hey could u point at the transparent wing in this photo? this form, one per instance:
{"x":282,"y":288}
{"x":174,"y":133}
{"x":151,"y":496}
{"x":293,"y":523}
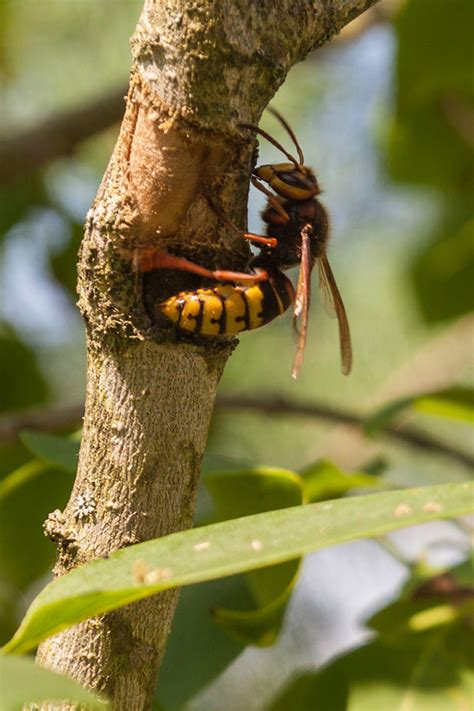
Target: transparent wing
{"x":326,"y":291}
{"x":302,"y":301}
{"x":332,"y":296}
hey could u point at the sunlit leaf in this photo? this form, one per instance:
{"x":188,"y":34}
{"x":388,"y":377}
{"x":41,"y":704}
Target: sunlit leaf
{"x":422,"y":659}
{"x":324,"y":480}
{"x":229,"y":548}
{"x":378,"y":676}
{"x":29,"y":683}
{"x":427,"y":605}
{"x":453,"y":403}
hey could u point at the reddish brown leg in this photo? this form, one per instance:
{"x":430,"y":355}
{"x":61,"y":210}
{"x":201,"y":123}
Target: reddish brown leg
{"x":272,"y":199}
{"x":268,"y":241}
{"x":151,"y":259}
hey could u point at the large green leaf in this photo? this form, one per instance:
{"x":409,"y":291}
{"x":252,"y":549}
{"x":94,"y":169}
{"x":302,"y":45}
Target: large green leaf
{"x":27,"y":683}
{"x":228,"y":548}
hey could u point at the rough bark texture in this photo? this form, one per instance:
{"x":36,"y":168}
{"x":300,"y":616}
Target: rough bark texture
{"x":200,"y":67}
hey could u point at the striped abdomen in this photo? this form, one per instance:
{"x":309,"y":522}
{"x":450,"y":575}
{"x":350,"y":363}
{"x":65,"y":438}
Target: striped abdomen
{"x":226,"y":309}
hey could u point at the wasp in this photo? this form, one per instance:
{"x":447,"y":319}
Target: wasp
{"x":297,"y":233}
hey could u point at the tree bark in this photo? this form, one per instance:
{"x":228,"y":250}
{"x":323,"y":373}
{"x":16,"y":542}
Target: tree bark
{"x":200,"y":67}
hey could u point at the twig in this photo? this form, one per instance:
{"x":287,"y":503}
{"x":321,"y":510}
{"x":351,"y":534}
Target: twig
{"x":46,"y":419}
{"x":63,"y":418}
{"x":59,"y":135}
{"x":280,"y":406}
{"x":378,"y":14}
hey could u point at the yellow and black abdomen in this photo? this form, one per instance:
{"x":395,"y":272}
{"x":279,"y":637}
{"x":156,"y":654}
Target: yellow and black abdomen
{"x":227,"y":309}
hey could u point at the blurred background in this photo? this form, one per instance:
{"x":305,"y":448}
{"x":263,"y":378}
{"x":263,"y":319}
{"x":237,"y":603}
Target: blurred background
{"x":385,"y":115}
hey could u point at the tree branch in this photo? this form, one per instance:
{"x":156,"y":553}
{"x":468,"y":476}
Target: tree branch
{"x":41,"y":419}
{"x":59,"y":135}
{"x":200,"y":68}
{"x":70,"y":416}
{"x":404,"y":435}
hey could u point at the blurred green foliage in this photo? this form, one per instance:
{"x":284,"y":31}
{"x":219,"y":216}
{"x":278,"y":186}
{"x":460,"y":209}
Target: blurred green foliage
{"x":432,"y":146}
{"x":23,"y":383}
{"x":422,"y":657}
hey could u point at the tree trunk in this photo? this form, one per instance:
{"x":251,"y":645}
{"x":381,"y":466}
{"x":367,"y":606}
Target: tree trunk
{"x":200,"y":67}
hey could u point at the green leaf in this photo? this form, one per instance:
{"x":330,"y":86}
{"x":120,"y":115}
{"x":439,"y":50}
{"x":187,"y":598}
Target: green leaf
{"x":243,"y":493}
{"x":407,"y":619}
{"x":324,"y":480}
{"x":259,"y":627}
{"x":421,"y":660}
{"x":196,"y":643}
{"x":454,"y":403}
{"x":29,"y":683}
{"x":428,"y":603}
{"x":27,"y":496}
{"x":51,"y":449}
{"x":384,"y":677}
{"x":228,"y":548}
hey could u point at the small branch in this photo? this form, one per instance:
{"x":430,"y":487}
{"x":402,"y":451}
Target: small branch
{"x":58,"y":135}
{"x":47,"y":419}
{"x":377,"y":15}
{"x":70,"y":416}
{"x":279,"y":406}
